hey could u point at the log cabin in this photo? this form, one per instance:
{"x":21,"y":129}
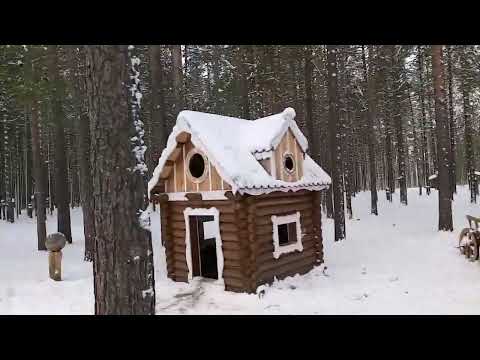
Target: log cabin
{"x":239,"y":200}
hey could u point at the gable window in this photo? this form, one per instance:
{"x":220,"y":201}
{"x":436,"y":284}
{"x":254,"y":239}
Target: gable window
{"x":287,"y":234}
{"x":196,"y":166}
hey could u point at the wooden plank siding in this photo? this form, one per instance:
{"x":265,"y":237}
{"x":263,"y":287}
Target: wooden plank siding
{"x":179,"y":181}
{"x":288,"y":144}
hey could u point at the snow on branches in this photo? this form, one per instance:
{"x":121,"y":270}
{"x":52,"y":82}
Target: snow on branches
{"x":138,"y":145}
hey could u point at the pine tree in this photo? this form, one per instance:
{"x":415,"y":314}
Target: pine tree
{"x":441,"y":116}
{"x":123,"y":264}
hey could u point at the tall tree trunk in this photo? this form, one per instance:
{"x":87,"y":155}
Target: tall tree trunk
{"x":397,"y":96}
{"x":178,"y":88}
{"x":83,"y":154}
{"x":468,"y":129}
{"x":243,"y":54}
{"x":123,"y":264}
{"x":335,"y":153}
{"x":425,"y":157}
{"x":441,"y":116}
{"x":61,"y":178}
{"x":453,"y":177}
{"x":160,"y":131}
{"x":38,"y":164}
{"x":309,"y":103}
{"x":370,"y":130}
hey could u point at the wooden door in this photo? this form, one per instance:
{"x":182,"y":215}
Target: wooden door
{"x":204,"y":253}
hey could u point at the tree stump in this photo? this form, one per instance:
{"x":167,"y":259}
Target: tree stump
{"x":55,"y":243}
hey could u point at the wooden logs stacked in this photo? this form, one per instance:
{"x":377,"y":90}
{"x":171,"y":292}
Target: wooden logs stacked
{"x":55,"y":243}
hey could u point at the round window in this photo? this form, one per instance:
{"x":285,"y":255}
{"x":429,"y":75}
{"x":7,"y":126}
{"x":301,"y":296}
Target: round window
{"x":197,"y":164}
{"x":289,"y":163}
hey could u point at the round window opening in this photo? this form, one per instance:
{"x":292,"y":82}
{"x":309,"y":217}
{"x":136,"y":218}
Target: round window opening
{"x":289,"y":163}
{"x":197,"y":165}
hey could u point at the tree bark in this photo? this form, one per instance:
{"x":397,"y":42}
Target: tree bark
{"x":83,"y":154}
{"x":309,"y":103}
{"x":397,"y":97}
{"x":453,"y":176}
{"x":178,"y":88}
{"x":123,"y":263}
{"x":335,"y":153}
{"x":445,"y":222}
{"x":37,"y":158}
{"x":61,"y":178}
{"x":160,"y":131}
{"x":370,"y":130}
{"x":425,"y":157}
{"x":468,"y":129}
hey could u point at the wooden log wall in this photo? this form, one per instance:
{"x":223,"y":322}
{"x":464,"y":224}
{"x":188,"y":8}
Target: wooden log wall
{"x":246,"y":230}
{"x":261,"y":208}
{"x":234,"y":240}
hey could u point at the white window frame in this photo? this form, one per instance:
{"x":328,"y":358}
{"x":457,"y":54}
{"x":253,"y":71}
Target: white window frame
{"x":187,"y":166}
{"x":285,"y":249}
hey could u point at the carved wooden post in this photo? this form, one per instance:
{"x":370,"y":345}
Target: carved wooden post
{"x":55,"y":243}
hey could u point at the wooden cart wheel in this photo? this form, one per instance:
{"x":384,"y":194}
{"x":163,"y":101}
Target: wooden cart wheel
{"x":474,"y":245}
{"x":463,"y":240}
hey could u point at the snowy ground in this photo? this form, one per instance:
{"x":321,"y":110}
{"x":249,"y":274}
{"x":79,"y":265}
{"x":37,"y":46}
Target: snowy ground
{"x":396,"y":263}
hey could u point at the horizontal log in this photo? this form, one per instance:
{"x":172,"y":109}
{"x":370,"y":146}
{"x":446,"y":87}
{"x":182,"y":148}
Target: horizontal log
{"x":288,"y":261}
{"x":261,"y":203}
{"x":283,"y":209}
{"x":229,"y":236}
{"x":268,"y":277}
{"x":194,"y":196}
{"x":179,"y":258}
{"x":232,"y":254}
{"x":178,"y":233}
{"x":180,"y":265}
{"x":232,"y":246}
{"x":180,"y":249}
{"x":234,"y":286}
{"x":277,"y":194}
{"x":177,"y":225}
{"x":231,"y":264}
{"x":233,"y":273}
{"x":266,"y":252}
{"x":181,"y":278}
{"x":228,"y":227}
{"x":181,"y":273}
{"x":227,"y":218}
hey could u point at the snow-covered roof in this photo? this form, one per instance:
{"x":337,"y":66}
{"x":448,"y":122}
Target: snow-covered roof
{"x":234,"y":146}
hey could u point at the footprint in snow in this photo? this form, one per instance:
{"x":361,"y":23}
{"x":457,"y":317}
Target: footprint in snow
{"x":360,"y":297}
{"x":364,"y":270}
{"x":392,"y":279}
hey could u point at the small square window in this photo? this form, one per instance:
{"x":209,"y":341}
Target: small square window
{"x":287,"y":235}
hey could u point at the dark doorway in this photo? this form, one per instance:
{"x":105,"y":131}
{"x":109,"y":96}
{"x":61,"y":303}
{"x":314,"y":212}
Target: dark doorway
{"x":204,"y":250}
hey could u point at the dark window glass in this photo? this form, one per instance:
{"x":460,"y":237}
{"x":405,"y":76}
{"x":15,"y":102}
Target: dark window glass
{"x":197,"y":165}
{"x":289,"y":165}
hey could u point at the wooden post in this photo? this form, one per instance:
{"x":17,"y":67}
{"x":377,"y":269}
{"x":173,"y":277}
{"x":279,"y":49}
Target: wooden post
{"x":55,"y":243}
{"x":55,"y":265}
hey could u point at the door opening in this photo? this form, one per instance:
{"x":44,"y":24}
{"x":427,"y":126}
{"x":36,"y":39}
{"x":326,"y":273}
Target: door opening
{"x":203,"y":247}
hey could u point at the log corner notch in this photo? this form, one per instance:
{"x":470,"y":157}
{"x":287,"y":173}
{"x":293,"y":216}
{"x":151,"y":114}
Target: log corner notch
{"x":183,"y":138}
